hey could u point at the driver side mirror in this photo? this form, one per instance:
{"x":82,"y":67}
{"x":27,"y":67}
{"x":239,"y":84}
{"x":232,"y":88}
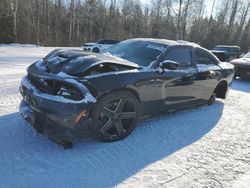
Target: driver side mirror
{"x":168,"y":64}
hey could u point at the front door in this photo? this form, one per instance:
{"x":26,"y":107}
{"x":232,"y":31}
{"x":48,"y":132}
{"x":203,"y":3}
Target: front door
{"x":179,"y":84}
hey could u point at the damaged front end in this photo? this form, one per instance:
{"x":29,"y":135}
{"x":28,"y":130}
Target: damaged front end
{"x":57,"y":97}
{"x":56,"y":105}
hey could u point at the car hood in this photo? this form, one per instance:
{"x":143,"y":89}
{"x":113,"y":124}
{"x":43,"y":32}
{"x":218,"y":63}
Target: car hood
{"x":241,"y":61}
{"x":73,"y":62}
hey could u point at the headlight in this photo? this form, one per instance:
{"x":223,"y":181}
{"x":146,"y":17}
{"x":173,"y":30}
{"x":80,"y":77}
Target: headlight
{"x":70,"y":93}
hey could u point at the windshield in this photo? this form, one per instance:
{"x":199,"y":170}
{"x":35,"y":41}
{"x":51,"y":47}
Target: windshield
{"x":136,"y":51}
{"x":247,"y":55}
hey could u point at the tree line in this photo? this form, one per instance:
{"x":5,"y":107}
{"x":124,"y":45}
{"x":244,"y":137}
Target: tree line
{"x":74,"y":22}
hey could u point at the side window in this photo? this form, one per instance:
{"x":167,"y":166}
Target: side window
{"x":237,"y":50}
{"x":203,"y":57}
{"x":106,"y":42}
{"x":112,"y":42}
{"x":100,"y":41}
{"x":181,"y":55}
{"x":109,"y":42}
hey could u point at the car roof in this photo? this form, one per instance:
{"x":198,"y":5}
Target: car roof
{"x":167,"y":42}
{"x":227,"y":46}
{"x":108,"y":40}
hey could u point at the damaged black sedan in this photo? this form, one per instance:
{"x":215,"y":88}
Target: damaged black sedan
{"x":70,"y":90}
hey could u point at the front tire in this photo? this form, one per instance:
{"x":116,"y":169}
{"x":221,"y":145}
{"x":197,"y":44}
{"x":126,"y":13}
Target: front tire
{"x":115,"y":116}
{"x":96,"y":50}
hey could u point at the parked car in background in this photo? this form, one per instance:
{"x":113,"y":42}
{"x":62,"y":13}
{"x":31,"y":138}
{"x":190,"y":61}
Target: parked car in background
{"x":242,"y":66}
{"x":226,"y":53}
{"x":99,"y":45}
{"x":109,"y":92}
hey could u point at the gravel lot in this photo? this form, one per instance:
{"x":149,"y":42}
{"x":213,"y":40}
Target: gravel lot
{"x":208,"y":146}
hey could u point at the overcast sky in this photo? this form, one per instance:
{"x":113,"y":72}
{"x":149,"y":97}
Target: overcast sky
{"x":208,"y":3}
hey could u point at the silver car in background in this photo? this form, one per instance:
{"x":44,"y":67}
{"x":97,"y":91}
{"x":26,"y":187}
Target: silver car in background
{"x":99,"y":45}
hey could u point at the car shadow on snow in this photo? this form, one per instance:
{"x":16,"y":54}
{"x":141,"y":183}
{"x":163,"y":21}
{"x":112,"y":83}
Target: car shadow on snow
{"x":241,"y":84}
{"x":32,"y":158}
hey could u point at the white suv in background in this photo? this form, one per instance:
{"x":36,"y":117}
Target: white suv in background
{"x":99,"y":46}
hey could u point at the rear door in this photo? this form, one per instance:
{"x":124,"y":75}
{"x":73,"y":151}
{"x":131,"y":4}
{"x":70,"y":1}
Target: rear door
{"x":208,"y":73}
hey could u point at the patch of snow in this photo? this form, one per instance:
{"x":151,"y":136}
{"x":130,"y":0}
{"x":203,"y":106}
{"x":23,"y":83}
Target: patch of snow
{"x":243,"y":181}
{"x":56,"y":59}
{"x":17,"y":45}
{"x":40,"y":65}
{"x":156,"y":47}
{"x":112,"y":73}
{"x":204,"y":67}
{"x":64,"y":75}
{"x":82,"y":58}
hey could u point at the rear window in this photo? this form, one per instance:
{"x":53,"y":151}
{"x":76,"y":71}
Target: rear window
{"x":224,"y":49}
{"x":236,"y":49}
{"x":227,"y":49}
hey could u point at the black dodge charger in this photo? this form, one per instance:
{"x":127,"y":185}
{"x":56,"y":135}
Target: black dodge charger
{"x":71,"y":91}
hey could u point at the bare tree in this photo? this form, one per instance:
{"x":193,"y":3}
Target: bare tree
{"x":73,"y":22}
{"x":242,"y":22}
{"x":14,"y":8}
{"x":178,"y":33}
{"x":185,"y":15}
{"x":235,"y":5}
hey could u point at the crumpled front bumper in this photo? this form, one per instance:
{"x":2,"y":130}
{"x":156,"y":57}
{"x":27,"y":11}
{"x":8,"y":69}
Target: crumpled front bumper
{"x":54,"y":116}
{"x":59,"y":129}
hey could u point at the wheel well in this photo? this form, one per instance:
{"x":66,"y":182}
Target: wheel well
{"x":221,"y":89}
{"x":133,"y":92}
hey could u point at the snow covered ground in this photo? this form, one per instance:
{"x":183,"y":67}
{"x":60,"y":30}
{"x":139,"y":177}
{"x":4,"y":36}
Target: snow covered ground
{"x":207,"y":146}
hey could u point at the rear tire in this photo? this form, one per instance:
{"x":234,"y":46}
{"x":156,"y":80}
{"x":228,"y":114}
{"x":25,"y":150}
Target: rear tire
{"x":115,"y":116}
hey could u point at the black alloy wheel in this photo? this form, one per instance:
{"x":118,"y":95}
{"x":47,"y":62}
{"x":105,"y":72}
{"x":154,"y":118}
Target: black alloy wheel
{"x":115,"y":116}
